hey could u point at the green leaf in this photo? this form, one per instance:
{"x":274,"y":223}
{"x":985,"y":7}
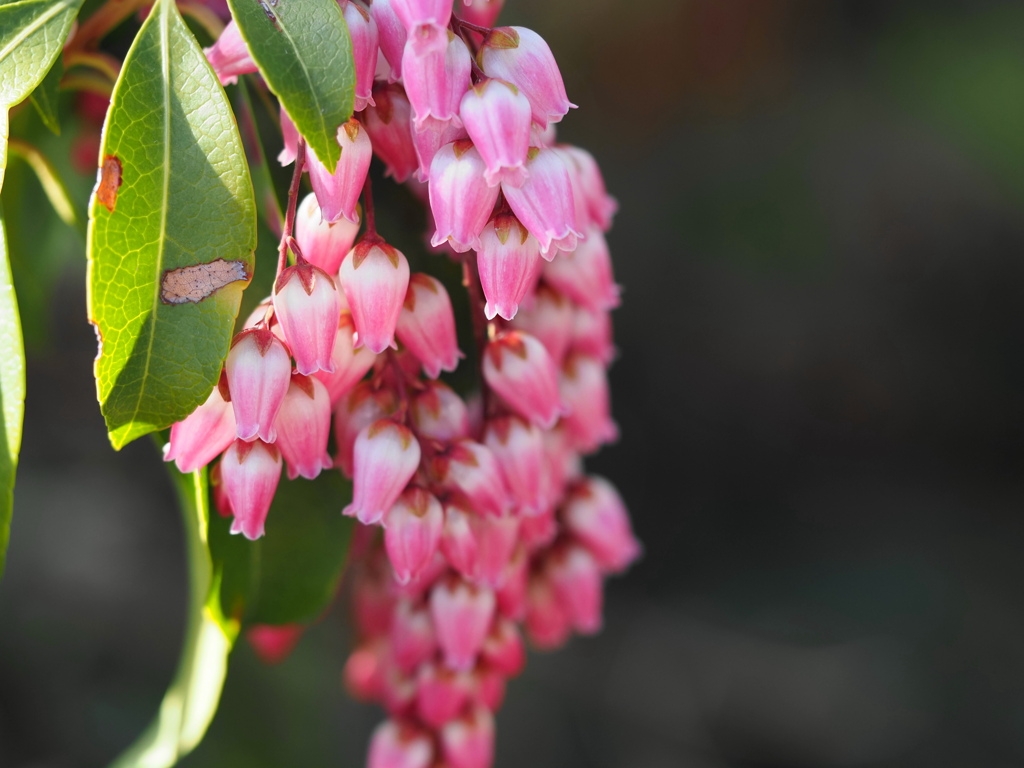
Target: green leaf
{"x":171,"y":234}
{"x":12,"y":393}
{"x":292,"y":573}
{"x":304,"y":53}
{"x":192,"y":698}
{"x":49,"y":179}
{"x":31,"y":35}
{"x":46,"y":96}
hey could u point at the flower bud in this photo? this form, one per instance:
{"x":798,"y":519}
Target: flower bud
{"x":307,"y":306}
{"x":389,"y":124}
{"x":548,"y":316}
{"x":521,"y":57}
{"x":439,"y":414}
{"x":462,"y":616}
{"x":350,"y":364}
{"x":584,"y":389}
{"x":469,"y":741}
{"x":547,"y":622}
{"x":229,"y":56}
{"x":597,"y":516}
{"x":460,"y":199}
{"x":470,"y":468}
{"x":359,"y":409}
{"x":274,"y":643}
{"x":545,"y":204}
{"x":518,"y":447}
{"x":441,"y":694}
{"x":250,"y":472}
{"x":412,"y":635}
{"x":375,"y":278}
{"x":497,"y":119}
{"x":303,"y":426}
{"x":503,"y":649}
{"x":577,"y":583}
{"x":425,"y":22}
{"x":323,"y":243}
{"x":412,"y":531}
{"x":399,"y":746}
{"x":520,"y":370}
{"x":483,"y":13}
{"x":436,"y":79}
{"x":585,"y":275}
{"x":258,"y":371}
{"x":338,"y":191}
{"x":385,"y":457}
{"x":202,"y":435}
{"x":508,"y":261}
{"x":362,"y":30}
{"x":426,"y":325}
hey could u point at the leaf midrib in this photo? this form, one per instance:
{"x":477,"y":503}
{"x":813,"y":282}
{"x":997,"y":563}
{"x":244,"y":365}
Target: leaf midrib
{"x":165,"y":61}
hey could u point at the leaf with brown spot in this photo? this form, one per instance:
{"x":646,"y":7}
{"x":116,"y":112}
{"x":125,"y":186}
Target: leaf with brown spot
{"x":109,"y":182}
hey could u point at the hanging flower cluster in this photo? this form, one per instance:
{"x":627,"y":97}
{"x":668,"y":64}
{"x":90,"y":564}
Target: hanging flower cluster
{"x":489,"y":522}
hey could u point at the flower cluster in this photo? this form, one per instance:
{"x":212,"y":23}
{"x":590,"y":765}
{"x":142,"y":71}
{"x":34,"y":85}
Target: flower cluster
{"x":488,"y":520}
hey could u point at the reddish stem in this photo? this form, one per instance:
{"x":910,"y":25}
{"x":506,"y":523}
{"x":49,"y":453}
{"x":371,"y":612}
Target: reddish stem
{"x":287,"y":240}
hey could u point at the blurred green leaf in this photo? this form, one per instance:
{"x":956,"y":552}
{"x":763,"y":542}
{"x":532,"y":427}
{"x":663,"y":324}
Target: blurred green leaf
{"x":192,"y":698}
{"x":292,"y":573}
{"x":52,"y":184}
{"x":171,"y":234}
{"x":12,"y":394}
{"x":46,"y":96}
{"x":304,"y":53}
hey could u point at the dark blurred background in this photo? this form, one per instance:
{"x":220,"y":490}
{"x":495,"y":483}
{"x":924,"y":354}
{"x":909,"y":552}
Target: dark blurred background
{"x":819,"y":392}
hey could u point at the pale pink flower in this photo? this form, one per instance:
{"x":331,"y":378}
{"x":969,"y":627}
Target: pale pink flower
{"x":462,"y":616}
{"x":460,"y":199}
{"x":399,"y":746}
{"x":250,"y":472}
{"x":508,"y":262}
{"x":545,"y":203}
{"x":362,"y":30}
{"x":338,"y":191}
{"x":426,"y":325}
{"x":202,"y":435}
{"x":303,"y":427}
{"x":412,"y":532}
{"x":323,"y":243}
{"x":385,"y":457}
{"x":258,"y":371}
{"x":497,"y":117}
{"x":389,"y":123}
{"x":518,"y":367}
{"x":375,"y":278}
{"x":229,"y":56}
{"x":307,"y":306}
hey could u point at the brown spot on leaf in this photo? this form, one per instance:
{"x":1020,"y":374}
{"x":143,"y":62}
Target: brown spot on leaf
{"x":196,"y":282}
{"x":110,"y":182}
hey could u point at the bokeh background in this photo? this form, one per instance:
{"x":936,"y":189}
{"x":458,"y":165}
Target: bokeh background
{"x":819,"y":392}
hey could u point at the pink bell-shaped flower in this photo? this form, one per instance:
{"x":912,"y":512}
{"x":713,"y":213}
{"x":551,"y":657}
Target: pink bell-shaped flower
{"x":512,"y":594}
{"x":425,"y":22}
{"x":250,"y":472}
{"x":258,"y":371}
{"x":307,"y":305}
{"x":441,"y":693}
{"x":375,"y":278}
{"x":338,"y":192}
{"x":460,"y":199}
{"x":519,"y":448}
{"x":395,"y":745}
{"x":391,"y":34}
{"x":429,"y":139}
{"x":592,"y":334}
{"x":585,"y":275}
{"x":497,"y":119}
{"x":483,"y":13}
{"x":496,"y":539}
{"x":202,"y":435}
{"x":469,"y":741}
{"x":471,"y":468}
{"x":503,"y":649}
{"x":548,"y":624}
{"x":359,"y":409}
{"x":600,"y":205}
{"x":426,"y":325}
{"x":412,"y":531}
{"x":508,"y":261}
{"x":362,"y":30}
{"x":520,"y":56}
{"x":458,"y":539}
{"x":489,"y":687}
{"x":577,"y":582}
{"x":548,"y":316}
{"x":389,"y":123}
{"x":274,"y":643}
{"x":439,"y":414}
{"x":518,"y":367}
{"x":229,"y":56}
{"x":303,"y":426}
{"x":412,"y":635}
{"x":385,"y":457}
{"x":545,"y":204}
{"x":597,"y":516}
{"x":323,"y":243}
{"x":350,"y":364}
{"x":462,"y":616}
{"x":435,"y":80}
{"x":290,"y":137}
{"x":584,"y":389}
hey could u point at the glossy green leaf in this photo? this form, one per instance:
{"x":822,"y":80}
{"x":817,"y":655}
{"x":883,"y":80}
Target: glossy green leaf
{"x":171,"y":234}
{"x":32,"y":33}
{"x":303,"y":51}
{"x":12,"y":393}
{"x":292,"y":573}
{"x":192,"y":698}
{"x":46,"y":96}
